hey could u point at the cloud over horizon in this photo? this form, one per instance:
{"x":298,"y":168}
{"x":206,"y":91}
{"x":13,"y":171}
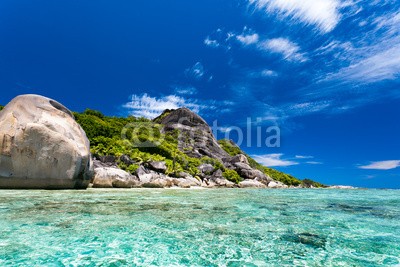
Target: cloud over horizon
{"x":381,"y":165}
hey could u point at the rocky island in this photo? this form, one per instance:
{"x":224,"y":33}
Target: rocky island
{"x":44,"y":145}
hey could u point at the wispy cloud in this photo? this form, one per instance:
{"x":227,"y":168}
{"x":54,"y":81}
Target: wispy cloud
{"x":372,"y":57}
{"x":289,"y":50}
{"x":185,"y":90}
{"x":301,"y":109}
{"x":381,"y":165}
{"x":322,"y":13}
{"x":263,"y":73}
{"x":303,"y":157}
{"x":196,"y":71}
{"x":314,"y":162}
{"x":268,"y":73}
{"x":273,"y":160}
{"x":379,"y":66}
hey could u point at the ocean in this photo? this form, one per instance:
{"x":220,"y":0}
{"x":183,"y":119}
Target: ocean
{"x":200,"y":227}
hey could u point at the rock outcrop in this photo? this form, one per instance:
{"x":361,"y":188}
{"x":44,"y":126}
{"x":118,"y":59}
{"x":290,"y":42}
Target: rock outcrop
{"x":42,"y":146}
{"x":195,"y":136}
{"x":158,"y":166}
{"x":247,"y":172}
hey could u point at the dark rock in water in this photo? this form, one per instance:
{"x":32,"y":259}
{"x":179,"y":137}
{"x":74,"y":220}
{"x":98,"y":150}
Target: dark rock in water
{"x":349,"y":208}
{"x":309,"y":239}
{"x":42,"y":146}
{"x":195,"y":136}
{"x":158,"y":166}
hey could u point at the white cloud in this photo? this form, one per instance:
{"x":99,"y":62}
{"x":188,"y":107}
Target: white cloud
{"x":273,"y":160}
{"x":210,"y":42}
{"x":303,"y":157}
{"x":314,"y":162}
{"x":263,"y":73}
{"x":305,"y":108}
{"x":150,"y":107}
{"x":248,"y":39}
{"x":268,"y":73}
{"x":289,"y":50}
{"x":188,"y":90}
{"x":196,"y":71}
{"x":322,"y":13}
{"x":382,"y":165}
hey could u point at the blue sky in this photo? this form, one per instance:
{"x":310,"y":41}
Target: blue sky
{"x":326,"y":72}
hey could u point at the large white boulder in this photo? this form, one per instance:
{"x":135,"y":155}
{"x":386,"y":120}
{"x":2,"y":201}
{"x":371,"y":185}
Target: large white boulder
{"x":42,"y":146}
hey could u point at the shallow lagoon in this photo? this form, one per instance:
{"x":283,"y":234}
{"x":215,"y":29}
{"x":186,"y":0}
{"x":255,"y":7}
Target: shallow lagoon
{"x":216,"y":227}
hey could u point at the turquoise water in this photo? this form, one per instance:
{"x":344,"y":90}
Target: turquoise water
{"x":220,"y":227}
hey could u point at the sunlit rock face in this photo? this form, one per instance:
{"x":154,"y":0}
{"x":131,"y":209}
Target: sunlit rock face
{"x":42,"y":146}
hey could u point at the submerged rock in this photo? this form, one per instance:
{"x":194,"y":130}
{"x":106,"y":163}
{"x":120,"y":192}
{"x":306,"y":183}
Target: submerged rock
{"x":308,"y":239}
{"x":42,"y":146}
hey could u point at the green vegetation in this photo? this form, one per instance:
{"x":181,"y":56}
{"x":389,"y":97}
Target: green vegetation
{"x":232,"y":176}
{"x":1,"y":107}
{"x":232,"y":149}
